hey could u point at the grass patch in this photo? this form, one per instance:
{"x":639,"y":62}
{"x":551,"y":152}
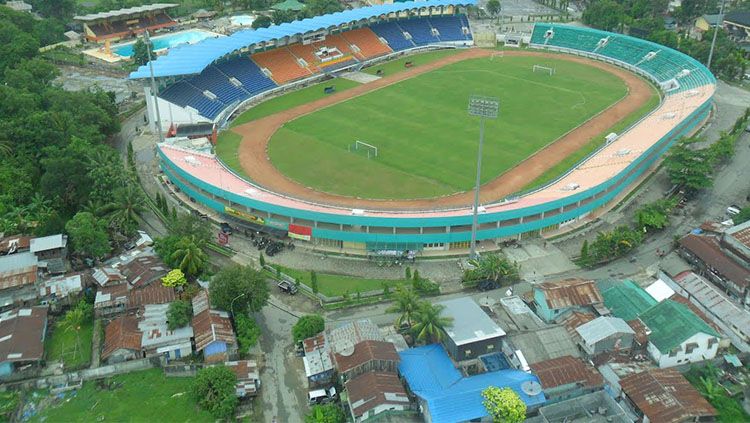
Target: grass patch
{"x":146,"y":396}
{"x":228,"y":150}
{"x":425,"y":138}
{"x":62,"y":346}
{"x":555,"y":171}
{"x":417,"y":60}
{"x":332,"y":285}
{"x":293,"y":99}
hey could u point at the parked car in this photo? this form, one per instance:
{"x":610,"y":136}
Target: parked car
{"x":226,"y":228}
{"x":322,"y":396}
{"x":287,"y":287}
{"x":733,"y":210}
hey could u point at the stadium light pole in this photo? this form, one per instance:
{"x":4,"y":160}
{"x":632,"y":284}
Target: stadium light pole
{"x":485,"y":108}
{"x":719,"y":24}
{"x":153,"y":88}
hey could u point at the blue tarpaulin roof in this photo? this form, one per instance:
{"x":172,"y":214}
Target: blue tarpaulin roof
{"x":450,"y":396}
{"x":190,"y":59}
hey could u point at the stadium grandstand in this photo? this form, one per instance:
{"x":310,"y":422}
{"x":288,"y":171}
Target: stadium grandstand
{"x":125,"y":23}
{"x":588,"y":188}
{"x":211,"y":79}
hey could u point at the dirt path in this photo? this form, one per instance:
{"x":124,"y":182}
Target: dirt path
{"x":253,"y":154}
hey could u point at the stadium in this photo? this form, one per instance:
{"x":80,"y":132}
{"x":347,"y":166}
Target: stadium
{"x":386,"y":167}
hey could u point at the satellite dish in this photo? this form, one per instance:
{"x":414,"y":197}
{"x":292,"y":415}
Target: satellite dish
{"x":531,"y":388}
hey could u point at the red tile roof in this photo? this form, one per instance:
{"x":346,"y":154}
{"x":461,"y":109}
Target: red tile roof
{"x":121,"y":333}
{"x":570,"y":292}
{"x":665,"y":396}
{"x":566,"y":370}
{"x":155,"y":293}
{"x":366,"y":351}
{"x":369,"y":390}
{"x":21,"y":334}
{"x":707,"y":249}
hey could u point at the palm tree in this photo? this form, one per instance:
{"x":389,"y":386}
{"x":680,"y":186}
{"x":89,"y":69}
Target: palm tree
{"x":189,"y":257}
{"x":430,"y":325}
{"x":124,"y":210}
{"x":72,"y":322}
{"x":405,"y":303}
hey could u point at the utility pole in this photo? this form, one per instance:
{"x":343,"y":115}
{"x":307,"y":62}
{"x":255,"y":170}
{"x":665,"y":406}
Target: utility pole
{"x":153,"y":89}
{"x":719,"y":24}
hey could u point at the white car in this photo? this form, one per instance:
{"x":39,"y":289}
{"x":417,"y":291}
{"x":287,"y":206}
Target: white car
{"x":733,"y":211}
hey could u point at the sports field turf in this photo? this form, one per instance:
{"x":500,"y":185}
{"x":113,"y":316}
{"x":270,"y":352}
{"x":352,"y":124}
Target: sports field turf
{"x":426,"y":142}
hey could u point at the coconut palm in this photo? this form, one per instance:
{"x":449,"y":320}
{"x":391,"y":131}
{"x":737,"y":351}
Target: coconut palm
{"x":189,"y":257}
{"x":429,"y":324}
{"x":123,"y":211}
{"x":72,"y":322}
{"x":405,"y":303}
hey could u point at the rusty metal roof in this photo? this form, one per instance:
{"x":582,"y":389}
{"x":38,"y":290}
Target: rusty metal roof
{"x":366,"y":351}
{"x":665,"y":396}
{"x":566,"y":370}
{"x":707,"y":249}
{"x":570,"y":292}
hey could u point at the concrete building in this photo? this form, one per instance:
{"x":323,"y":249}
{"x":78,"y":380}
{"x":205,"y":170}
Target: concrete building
{"x":718,"y":265}
{"x":566,"y":377}
{"x":596,"y":407}
{"x":605,"y":334}
{"x":18,"y":274}
{"x":553,"y":300}
{"x":541,"y":345}
{"x":61,"y":287}
{"x":472,"y":332}
{"x":738,"y":24}
{"x":678,"y":336}
{"x":52,"y":251}
{"x":157,"y":339}
{"x":664,"y":396}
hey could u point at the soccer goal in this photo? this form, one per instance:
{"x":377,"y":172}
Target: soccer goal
{"x":544,"y":69}
{"x":361,"y":146}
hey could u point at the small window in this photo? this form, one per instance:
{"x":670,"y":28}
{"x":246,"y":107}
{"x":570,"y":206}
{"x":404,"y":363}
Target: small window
{"x":712,"y":341}
{"x":490,"y":347}
{"x":690,"y":347}
{"x":467,"y":352}
{"x":674,"y":352}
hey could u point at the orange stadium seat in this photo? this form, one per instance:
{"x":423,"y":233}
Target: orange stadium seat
{"x":306,"y":53}
{"x":282,"y":64}
{"x":368,"y":43}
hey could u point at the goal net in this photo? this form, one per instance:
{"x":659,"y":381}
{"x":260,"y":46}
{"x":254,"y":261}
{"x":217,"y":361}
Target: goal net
{"x":543,"y":69}
{"x":364,"y":148}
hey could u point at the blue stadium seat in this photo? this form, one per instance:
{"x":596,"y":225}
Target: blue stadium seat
{"x":449,"y":27}
{"x":393,"y":34}
{"x":183,"y":94}
{"x":420,"y":30}
{"x":213,"y":80}
{"x":247,"y":72}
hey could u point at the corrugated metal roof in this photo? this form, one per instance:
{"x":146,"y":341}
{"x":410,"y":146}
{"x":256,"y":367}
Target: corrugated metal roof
{"x":671,"y":324}
{"x":665,"y":396}
{"x":602,"y":328}
{"x":714,"y":300}
{"x":470,"y":322}
{"x":193,"y":58}
{"x":627,"y":300}
{"x":48,"y":243}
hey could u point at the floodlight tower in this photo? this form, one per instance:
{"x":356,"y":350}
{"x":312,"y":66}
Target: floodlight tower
{"x":153,"y":88}
{"x":485,"y":108}
{"x":719,"y":25}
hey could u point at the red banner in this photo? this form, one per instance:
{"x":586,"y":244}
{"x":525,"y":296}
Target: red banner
{"x":300,"y":232}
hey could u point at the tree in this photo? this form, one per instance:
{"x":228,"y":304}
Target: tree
{"x":262,"y":21}
{"x":493,"y":7}
{"x":140,"y":52}
{"x":248,"y":332}
{"x":613,"y":244}
{"x":88,"y":235}
{"x":743,"y":216}
{"x":213,"y":389}
{"x":691,"y":168}
{"x":74,"y":320}
{"x":189,"y":257}
{"x":314,"y":281}
{"x":322,"y":7}
{"x":242,"y":284}
{"x":654,"y":215}
{"x":175,"y":278}
{"x":406,"y":303}
{"x":493,"y":267}
{"x":585,"y":252}
{"x":407,"y":272}
{"x":262,"y":260}
{"x":327,"y":413}
{"x":504,"y":405}
{"x":429,"y":324}
{"x":307,"y":326}
{"x":179,"y":314}
{"x":604,"y":14}
{"x":123,"y":211}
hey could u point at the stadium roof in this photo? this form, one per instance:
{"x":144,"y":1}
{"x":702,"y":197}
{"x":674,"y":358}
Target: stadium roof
{"x":125,"y":12}
{"x":190,"y":59}
{"x":452,"y":397}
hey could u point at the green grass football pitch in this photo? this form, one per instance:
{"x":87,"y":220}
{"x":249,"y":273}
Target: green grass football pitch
{"x":426,"y":141}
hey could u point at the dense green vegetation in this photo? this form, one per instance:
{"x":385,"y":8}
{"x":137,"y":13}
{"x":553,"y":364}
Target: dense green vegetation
{"x":706,"y":380}
{"x":424,"y":152}
{"x":332,"y":285}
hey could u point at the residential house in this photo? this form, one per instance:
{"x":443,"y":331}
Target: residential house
{"x":51,"y":251}
{"x":213,"y":332}
{"x":605,"y":334}
{"x":445,"y":395}
{"x":367,"y":356}
{"x":61,"y":287}
{"x":627,"y":300}
{"x":678,"y":336}
{"x":122,"y":340}
{"x":248,"y":377}
{"x":472,"y":332}
{"x":737,"y":23}
{"x":111,"y":300}
{"x":14,"y":244}
{"x":566,"y":377}
{"x":599,"y":405}
{"x":576,"y":319}
{"x":19,"y":6}
{"x":664,"y":396}
{"x":705,"y":23}
{"x":553,"y":300}
{"x":22,"y":333}
{"x":156,"y":293}
{"x":374,"y":392}
{"x":736,"y":242}
{"x":157,"y":339}
{"x":143,"y":268}
{"x":540,"y":345}
{"x":107,"y":275}
{"x":705,"y":253}
{"x":731,"y":318}
{"x":18,"y":274}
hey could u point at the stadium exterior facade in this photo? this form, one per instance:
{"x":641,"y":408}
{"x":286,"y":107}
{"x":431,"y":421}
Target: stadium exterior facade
{"x":687,"y":90}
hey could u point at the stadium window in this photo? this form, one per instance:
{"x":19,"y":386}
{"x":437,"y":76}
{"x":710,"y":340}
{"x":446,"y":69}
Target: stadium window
{"x":433,"y":245}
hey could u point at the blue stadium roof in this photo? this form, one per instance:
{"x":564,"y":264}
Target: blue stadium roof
{"x":190,"y":59}
{"x":450,"y":396}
